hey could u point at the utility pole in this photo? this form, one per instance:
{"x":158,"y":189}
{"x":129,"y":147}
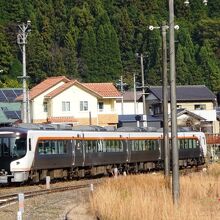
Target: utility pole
{"x":135,"y":96}
{"x":143,"y":89}
{"x":165,"y":108}
{"x":22,"y":41}
{"x":122,"y":100}
{"x":143,"y":92}
{"x":175,"y":154}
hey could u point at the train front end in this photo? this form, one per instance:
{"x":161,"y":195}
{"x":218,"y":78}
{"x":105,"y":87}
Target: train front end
{"x":13,"y":148}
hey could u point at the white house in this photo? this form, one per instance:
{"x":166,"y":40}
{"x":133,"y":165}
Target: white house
{"x":60,"y":100}
{"x":128,"y":106}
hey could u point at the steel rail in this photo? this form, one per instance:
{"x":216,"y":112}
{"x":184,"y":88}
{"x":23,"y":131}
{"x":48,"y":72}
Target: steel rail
{"x":6,"y":200}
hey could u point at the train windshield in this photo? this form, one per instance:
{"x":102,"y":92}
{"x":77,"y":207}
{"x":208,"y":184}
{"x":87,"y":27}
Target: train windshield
{"x":12,"y":147}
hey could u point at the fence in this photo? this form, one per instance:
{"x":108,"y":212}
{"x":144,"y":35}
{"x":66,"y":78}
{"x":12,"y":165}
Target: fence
{"x":213,"y":146}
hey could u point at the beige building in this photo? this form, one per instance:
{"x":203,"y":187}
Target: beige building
{"x":60,"y":100}
{"x":196,"y":106}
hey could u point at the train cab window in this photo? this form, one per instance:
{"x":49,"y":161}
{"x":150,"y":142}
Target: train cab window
{"x":6,"y":146}
{"x":13,"y":147}
{"x":20,"y":146}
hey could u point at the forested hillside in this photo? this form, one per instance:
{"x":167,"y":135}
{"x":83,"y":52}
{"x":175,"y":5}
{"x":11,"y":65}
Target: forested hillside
{"x":96,"y":40}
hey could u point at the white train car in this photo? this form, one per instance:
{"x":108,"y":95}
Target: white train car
{"x":32,"y":153}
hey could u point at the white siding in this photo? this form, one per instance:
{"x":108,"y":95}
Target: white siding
{"x":73,"y":95}
{"x":128,"y":108}
{"x":37,"y":109}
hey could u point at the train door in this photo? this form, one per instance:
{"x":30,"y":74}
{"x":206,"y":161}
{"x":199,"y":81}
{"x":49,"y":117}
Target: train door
{"x":5,"y":153}
{"x":78,"y":153}
{"x":128,"y":147}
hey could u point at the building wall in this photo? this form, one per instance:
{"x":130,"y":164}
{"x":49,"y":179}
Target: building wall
{"x":74,"y":95}
{"x":107,"y":119}
{"x":190,"y":106}
{"x":37,"y":105}
{"x":128,"y":108}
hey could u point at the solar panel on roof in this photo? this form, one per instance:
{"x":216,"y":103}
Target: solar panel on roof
{"x":18,"y":92}
{"x":11,"y":114}
{"x":18,"y":113}
{"x":2,"y":97}
{"x":9,"y":94}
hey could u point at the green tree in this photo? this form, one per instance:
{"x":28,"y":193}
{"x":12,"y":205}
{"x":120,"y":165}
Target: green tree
{"x":70,"y":50}
{"x":210,"y":68}
{"x":182,"y":72}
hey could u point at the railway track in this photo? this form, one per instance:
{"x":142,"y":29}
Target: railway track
{"x":9,"y":199}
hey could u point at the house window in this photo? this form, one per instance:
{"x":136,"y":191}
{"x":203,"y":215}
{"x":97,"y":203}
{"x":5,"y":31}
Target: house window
{"x":83,"y":105}
{"x":101,"y":106}
{"x":45,"y":107}
{"x":200,"y":107}
{"x":157,"y":109}
{"x":65,"y":106}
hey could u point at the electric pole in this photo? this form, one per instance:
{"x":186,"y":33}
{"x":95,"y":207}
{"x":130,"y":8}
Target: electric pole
{"x":143,"y":89}
{"x":165,"y":107}
{"x":135,"y":95}
{"x":22,"y":41}
{"x":175,"y":153}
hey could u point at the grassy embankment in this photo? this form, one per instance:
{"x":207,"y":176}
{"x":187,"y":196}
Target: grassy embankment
{"x":144,"y":197}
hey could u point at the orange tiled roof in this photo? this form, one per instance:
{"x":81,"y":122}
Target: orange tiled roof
{"x":44,"y":86}
{"x":61,"y":119}
{"x":103,"y":89}
{"x":61,"y":88}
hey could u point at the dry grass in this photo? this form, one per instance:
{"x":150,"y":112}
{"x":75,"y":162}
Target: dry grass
{"x":145,"y":197}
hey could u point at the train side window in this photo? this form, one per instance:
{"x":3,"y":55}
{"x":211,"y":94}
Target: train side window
{"x":41,"y":147}
{"x":141,"y":143}
{"x":99,"y":146}
{"x":62,"y":146}
{"x":134,"y":145}
{"x":144,"y":145}
{"x":54,"y":148}
{"x":104,"y":148}
{"x":180,"y":144}
{"x":197,"y":143}
{"x":90,"y":146}
{"x":120,"y":146}
{"x":47,"y":147}
{"x":86,"y":146}
{"x":186,"y":143}
{"x":190,"y":143}
{"x":156,"y":145}
{"x":108,"y":147}
{"x":150,"y":145}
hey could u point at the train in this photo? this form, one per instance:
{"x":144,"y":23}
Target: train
{"x":29,"y":153}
